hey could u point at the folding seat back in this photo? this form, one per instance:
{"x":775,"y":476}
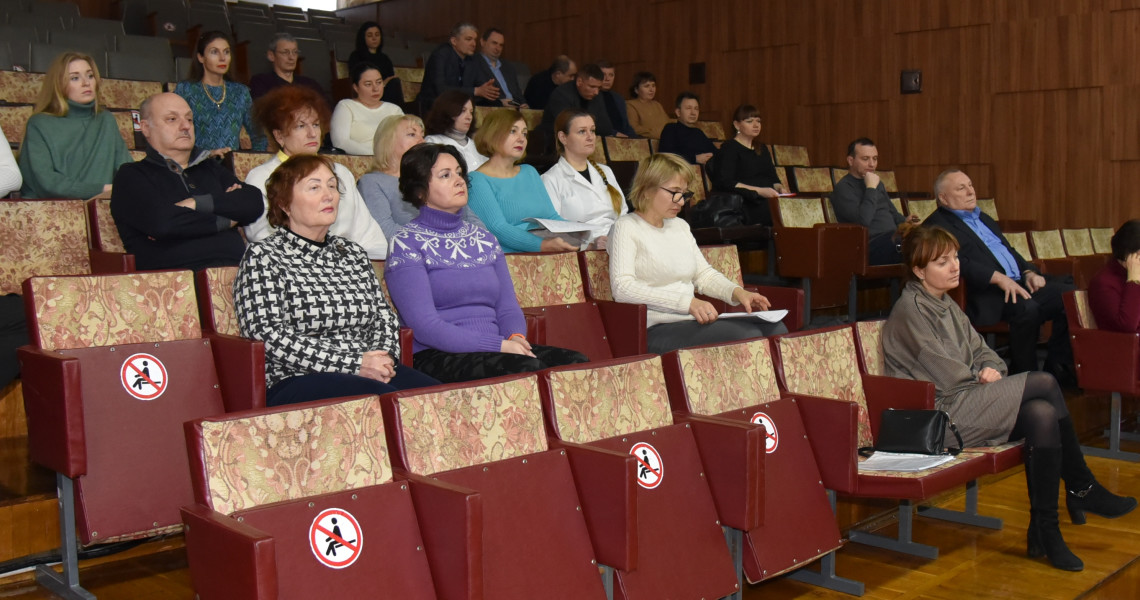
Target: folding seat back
{"x":625,"y":149}
{"x":1019,"y":241}
{"x":125,"y":65}
{"x":246,"y":161}
{"x":622,"y":406}
{"x":94,"y":44}
{"x":790,"y":156}
{"x":782,"y":174}
{"x":736,"y":381}
{"x":1047,"y":245}
{"x":107,"y":252}
{"x":824,"y":254}
{"x":890,"y":182}
{"x":549,"y":286}
{"x":488,"y":437}
{"x":317,"y":59}
{"x":989,"y":207}
{"x":726,"y":259}
{"x":14,"y":120}
{"x":411,"y":80}
{"x":216,"y":300}
{"x":812,"y":181}
{"x":921,"y":208}
{"x":294,"y":502}
{"x":1101,"y":239}
{"x":595,"y":265}
{"x":870,"y":337}
{"x":128,"y":93}
{"x":1078,"y":242}
{"x":714,"y":130}
{"x":126,"y":125}
{"x":357,"y":164}
{"x":21,"y":87}
{"x":41,"y":237}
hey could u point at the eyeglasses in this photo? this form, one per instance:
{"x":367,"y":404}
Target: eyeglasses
{"x":683,"y":196}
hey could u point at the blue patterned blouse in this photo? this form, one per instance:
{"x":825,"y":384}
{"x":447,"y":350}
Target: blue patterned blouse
{"x":220,"y":126}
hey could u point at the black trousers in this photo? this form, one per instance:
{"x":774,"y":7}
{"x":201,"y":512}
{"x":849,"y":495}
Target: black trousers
{"x":13,"y":334}
{"x":884,"y":249}
{"x":1025,"y":319}
{"x":667,"y":337}
{"x":319,"y":386}
{"x":454,"y":367}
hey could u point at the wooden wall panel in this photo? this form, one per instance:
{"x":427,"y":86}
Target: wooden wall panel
{"x":1052,"y":53}
{"x":821,"y":127}
{"x":926,"y":15}
{"x":1122,"y":121}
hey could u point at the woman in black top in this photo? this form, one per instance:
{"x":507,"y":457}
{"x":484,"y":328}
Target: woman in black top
{"x":744,"y":167}
{"x":369,"y":48}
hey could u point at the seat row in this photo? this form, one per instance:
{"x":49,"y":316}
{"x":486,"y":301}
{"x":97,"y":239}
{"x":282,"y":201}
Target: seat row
{"x":519,"y":485}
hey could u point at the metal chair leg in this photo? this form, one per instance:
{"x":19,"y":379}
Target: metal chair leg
{"x":66,"y":584}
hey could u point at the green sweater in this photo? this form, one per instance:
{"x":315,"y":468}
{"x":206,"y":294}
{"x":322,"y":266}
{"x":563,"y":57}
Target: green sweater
{"x":72,"y":156}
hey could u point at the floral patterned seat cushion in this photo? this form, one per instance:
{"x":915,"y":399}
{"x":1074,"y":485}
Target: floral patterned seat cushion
{"x":921,"y":208}
{"x":41,"y":237}
{"x":220,"y":283}
{"x":1078,"y":242}
{"x":598,"y":274}
{"x":359,"y":165}
{"x":294,"y":454}
{"x":109,"y":240}
{"x":989,"y":207}
{"x":20,"y":87}
{"x":714,"y":130}
{"x":603,"y":402}
{"x":813,"y":180}
{"x":871,"y":345}
{"x":791,"y":156}
{"x":824,"y":364}
{"x":800,"y":212}
{"x":126,"y":94}
{"x":890,"y":182}
{"x":14,"y":121}
{"x":468,"y":426}
{"x":546,"y":279}
{"x":726,"y":260}
{"x":1047,"y":244}
{"x":1019,"y":241}
{"x":126,"y":127}
{"x":626,"y":149}
{"x":246,"y":161}
{"x":729,"y":377}
{"x":1084,"y":312}
{"x":87,"y":311}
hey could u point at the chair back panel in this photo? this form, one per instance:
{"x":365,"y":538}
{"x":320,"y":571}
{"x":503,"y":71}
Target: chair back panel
{"x":128,"y":94}
{"x":378,"y":268}
{"x":103,"y":227}
{"x":802,"y":213}
{"x":1101,"y":239}
{"x":824,"y":364}
{"x":829,"y":210}
{"x":359,"y":165}
{"x":596,"y":268}
{"x":245,"y":161}
{"x":890,"y":182}
{"x":724,"y":258}
{"x":533,"y":117}
{"x":606,"y":401}
{"x":922,"y":208}
{"x":107,"y":310}
{"x":989,"y":207}
{"x":576,"y":327}
{"x":41,"y":237}
{"x":897,"y":202}
{"x":546,"y":279}
{"x":625,"y":149}
{"x":791,"y":156}
{"x":714,"y":130}
{"x":467,"y":426}
{"x":1078,"y":242}
{"x":1047,"y":244}
{"x":1019,"y":240}
{"x":286,"y":455}
{"x":870,"y":336}
{"x":728,"y":376}
{"x":837,"y":174}
{"x":1085,"y":316}
{"x":220,"y":287}
{"x":14,"y":121}
{"x":126,"y":127}
{"x":812,"y":180}
{"x":20,"y":87}
{"x":782,"y":174}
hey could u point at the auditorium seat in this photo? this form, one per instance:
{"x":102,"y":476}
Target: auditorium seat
{"x":1079,"y":246}
{"x":989,"y":206}
{"x":14,"y":121}
{"x":41,"y":237}
{"x":115,"y":365}
{"x":128,"y":93}
{"x":841,"y":409}
{"x":670,"y":545}
{"x":811,"y":181}
{"x":1050,"y":255}
{"x":19,"y":87}
{"x":488,"y":437}
{"x":550,"y":291}
{"x":411,"y":80}
{"x":107,"y":252}
{"x":726,"y":259}
{"x":1102,"y":239}
{"x":921,"y":207}
{"x":244,"y":161}
{"x":1106,"y":361}
{"x":790,"y":156}
{"x":714,"y":130}
{"x":736,"y":381}
{"x":300,"y":503}
{"x":623,"y":155}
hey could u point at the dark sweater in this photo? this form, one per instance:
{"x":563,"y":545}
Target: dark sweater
{"x":444,"y":71}
{"x":263,"y":83}
{"x":855,"y":203}
{"x":538,"y":90}
{"x":684,"y":141}
{"x":162,"y":235}
{"x":737,"y":164}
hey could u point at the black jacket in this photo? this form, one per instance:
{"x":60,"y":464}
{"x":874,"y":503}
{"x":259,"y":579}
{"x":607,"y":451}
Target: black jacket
{"x":162,"y":235}
{"x":478,"y":72}
{"x":444,"y":71}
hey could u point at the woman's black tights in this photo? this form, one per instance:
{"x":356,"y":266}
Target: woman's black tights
{"x":1042,"y":406}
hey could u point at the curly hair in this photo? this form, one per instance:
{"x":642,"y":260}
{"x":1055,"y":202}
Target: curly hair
{"x":280,"y":109}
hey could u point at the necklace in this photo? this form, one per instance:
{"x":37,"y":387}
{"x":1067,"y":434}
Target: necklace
{"x":207,"y":90}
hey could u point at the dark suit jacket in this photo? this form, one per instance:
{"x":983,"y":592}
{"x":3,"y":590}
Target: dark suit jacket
{"x":444,"y":71}
{"x":478,"y":72}
{"x":984,"y":300}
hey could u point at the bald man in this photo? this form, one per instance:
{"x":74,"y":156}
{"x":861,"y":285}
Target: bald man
{"x":177,"y":208}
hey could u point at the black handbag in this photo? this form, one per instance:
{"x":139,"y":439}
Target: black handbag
{"x":915,"y":432}
{"x":718,"y":210}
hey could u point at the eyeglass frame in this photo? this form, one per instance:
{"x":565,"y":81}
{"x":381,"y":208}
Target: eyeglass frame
{"x":685,"y":195}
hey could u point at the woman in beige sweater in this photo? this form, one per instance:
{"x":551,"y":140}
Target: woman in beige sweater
{"x":929,"y":338}
{"x":646,"y":115}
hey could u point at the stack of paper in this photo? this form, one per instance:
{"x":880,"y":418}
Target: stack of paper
{"x":894,"y":461}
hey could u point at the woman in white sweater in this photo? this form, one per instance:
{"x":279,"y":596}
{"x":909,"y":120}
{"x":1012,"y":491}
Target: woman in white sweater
{"x":581,"y":189}
{"x":654,"y":260}
{"x":451,"y":121}
{"x":295,"y":117}
{"x":354,"y":121}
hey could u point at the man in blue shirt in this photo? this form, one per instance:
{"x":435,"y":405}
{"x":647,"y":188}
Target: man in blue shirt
{"x":489,"y":65}
{"x":1000,"y":284}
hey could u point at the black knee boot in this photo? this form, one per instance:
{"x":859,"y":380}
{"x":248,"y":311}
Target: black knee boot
{"x":1083,"y":492}
{"x":1043,"y":475}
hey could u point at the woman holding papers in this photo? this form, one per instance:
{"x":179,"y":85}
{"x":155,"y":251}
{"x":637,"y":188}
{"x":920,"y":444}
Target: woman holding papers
{"x":505,"y":193}
{"x":581,"y":189}
{"x":654,"y":260}
{"x":929,"y":338}
{"x":449,"y":280}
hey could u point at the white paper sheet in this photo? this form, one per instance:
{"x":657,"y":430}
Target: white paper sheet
{"x":771,"y":316}
{"x":893,"y":461}
{"x":560,"y":226}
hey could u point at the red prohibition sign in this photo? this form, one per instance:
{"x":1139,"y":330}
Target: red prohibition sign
{"x":143,"y":376}
{"x":771,"y":436}
{"x":335,"y":538}
{"x":650,"y":467}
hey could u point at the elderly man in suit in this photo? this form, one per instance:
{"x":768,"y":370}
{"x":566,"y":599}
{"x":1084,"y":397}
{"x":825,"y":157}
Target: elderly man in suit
{"x":1000,"y":284}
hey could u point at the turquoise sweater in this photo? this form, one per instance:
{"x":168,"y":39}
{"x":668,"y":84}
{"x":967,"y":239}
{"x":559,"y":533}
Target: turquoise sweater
{"x":72,"y":156}
{"x":220,"y":126}
{"x":502,"y":204}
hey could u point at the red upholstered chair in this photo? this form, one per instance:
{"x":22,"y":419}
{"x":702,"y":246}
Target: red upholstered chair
{"x":790,"y":156}
{"x":107,"y":252}
{"x":603,"y":414}
{"x":1107,"y":361}
{"x":1087,"y":261}
{"x":550,"y":291}
{"x":265,"y":480}
{"x":737,"y":382}
{"x":488,"y":438}
{"x":215,"y":291}
{"x":841,"y":409}
{"x":41,"y":237}
{"x":1051,"y":255}
{"x":116,"y":364}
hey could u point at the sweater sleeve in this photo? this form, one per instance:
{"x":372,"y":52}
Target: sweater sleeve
{"x":340,"y":128}
{"x":379,"y":204}
{"x":1114,"y":303}
{"x":243,"y":204}
{"x":854,"y":202}
{"x":485,"y":202}
{"x":40,"y":166}
{"x":362,"y":228}
{"x":908,"y":340}
{"x":137,"y":204}
{"x":625,"y":286}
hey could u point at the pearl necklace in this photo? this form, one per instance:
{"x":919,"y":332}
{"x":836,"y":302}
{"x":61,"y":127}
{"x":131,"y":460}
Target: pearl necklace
{"x":207,"y":90}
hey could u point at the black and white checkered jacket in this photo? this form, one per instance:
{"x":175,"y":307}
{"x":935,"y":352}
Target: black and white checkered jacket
{"x":317,"y":308}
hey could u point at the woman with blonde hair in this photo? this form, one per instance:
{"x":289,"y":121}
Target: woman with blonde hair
{"x":381,"y":187}
{"x":504,"y":192}
{"x":654,"y":260}
{"x":72,"y":146}
{"x":581,"y":189}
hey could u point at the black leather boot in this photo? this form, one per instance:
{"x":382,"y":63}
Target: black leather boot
{"x":1083,"y":492}
{"x":1043,"y":476}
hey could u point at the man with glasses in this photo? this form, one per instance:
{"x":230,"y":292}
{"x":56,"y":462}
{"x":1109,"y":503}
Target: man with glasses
{"x":283,"y":55}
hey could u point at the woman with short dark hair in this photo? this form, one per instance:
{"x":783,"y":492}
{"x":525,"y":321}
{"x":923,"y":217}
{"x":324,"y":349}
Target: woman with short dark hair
{"x":1114,"y":294}
{"x":449,"y":280}
{"x":929,"y":338}
{"x":313,"y":298}
{"x":354,"y":120}
{"x":451,"y":121}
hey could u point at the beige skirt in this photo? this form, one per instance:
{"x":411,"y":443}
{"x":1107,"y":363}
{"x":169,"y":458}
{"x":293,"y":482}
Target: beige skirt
{"x":985,"y":413}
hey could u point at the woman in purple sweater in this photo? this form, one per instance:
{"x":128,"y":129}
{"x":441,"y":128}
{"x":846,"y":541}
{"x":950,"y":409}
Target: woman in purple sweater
{"x":449,"y":280}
